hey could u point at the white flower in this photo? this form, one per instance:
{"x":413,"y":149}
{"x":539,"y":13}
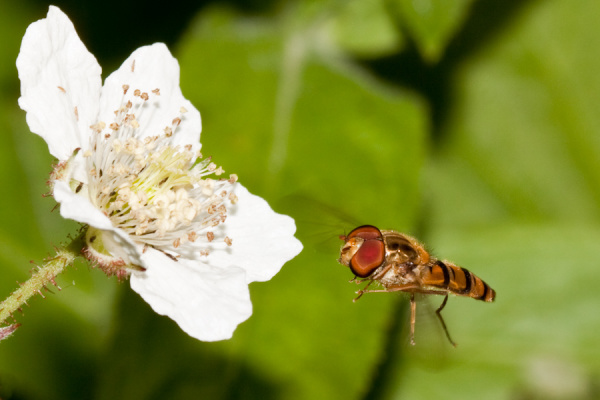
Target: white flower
{"x":129,"y":168}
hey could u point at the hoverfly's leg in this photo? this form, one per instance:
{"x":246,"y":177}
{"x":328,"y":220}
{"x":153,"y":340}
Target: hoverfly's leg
{"x":386,"y":290}
{"x":438,"y":312}
{"x":358,"y":280}
{"x":406,"y":288}
{"x":363,"y":291}
{"x":413,"y":318}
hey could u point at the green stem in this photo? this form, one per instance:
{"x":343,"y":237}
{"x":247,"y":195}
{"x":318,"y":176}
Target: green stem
{"x":41,"y":278}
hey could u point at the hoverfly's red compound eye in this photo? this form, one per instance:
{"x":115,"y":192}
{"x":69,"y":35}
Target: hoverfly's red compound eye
{"x":366,"y":232}
{"x":371,"y":254}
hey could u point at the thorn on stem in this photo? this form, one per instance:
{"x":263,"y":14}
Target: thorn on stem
{"x":55,"y":284}
{"x":47,"y":290}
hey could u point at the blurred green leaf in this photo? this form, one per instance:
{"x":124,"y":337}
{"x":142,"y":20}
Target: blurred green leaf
{"x":307,"y":122}
{"x":431,"y":23}
{"x":365,"y":28}
{"x":524,"y":125}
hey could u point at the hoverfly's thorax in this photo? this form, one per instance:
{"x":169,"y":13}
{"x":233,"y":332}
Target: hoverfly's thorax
{"x":403,"y":249}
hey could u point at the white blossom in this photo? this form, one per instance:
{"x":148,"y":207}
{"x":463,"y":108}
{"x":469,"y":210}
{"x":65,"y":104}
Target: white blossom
{"x":130,"y":169}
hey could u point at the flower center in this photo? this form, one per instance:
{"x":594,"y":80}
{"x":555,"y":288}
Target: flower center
{"x":157,"y":192}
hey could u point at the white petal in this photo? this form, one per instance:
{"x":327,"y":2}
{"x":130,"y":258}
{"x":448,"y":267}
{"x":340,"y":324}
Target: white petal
{"x":80,"y":209}
{"x":58,"y":75}
{"x":148,"y":68}
{"x":262,"y":239}
{"x":208,"y":303}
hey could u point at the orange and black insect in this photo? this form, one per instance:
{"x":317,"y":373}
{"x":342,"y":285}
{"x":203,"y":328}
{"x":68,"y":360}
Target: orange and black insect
{"x":400,"y":263}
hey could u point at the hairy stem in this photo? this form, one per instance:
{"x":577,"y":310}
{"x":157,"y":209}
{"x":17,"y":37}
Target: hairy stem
{"x":41,"y":278}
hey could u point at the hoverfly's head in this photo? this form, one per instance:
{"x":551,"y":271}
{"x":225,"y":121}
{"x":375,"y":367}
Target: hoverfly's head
{"x":363,"y":251}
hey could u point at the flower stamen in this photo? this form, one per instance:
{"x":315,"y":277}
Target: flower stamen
{"x":158,"y":193}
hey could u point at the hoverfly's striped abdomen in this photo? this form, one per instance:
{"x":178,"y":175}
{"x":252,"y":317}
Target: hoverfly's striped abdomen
{"x":457,"y":280}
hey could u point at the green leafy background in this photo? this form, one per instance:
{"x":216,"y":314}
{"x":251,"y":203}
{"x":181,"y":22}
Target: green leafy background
{"x":471,"y":124}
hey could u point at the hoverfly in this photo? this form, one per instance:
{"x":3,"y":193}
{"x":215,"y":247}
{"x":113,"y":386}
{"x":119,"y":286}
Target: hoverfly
{"x":400,"y":263}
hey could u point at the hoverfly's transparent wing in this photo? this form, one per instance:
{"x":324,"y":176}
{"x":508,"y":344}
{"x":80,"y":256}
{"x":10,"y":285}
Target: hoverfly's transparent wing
{"x":319,"y":225}
{"x":431,"y":346}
